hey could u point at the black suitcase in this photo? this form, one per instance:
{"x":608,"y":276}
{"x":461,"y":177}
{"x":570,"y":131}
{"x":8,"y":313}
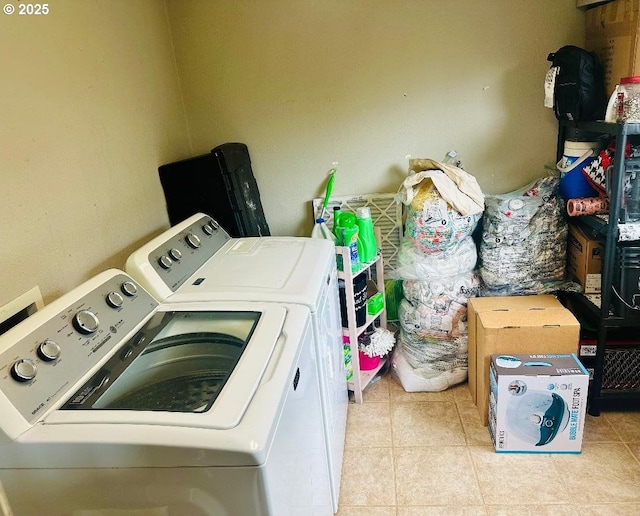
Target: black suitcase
{"x":220,"y":184}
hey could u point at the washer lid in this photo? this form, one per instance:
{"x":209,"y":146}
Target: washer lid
{"x":202,"y":362}
{"x":273,"y":269}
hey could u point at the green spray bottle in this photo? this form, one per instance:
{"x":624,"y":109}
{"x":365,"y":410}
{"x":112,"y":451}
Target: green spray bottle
{"x":346,"y":226}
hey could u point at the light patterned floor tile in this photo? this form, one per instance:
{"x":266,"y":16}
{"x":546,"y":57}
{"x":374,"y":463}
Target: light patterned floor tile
{"x":461,"y":393}
{"x":367,"y":477}
{"x":475,"y":433}
{"x":386,"y":474}
{"x":377,"y":391}
{"x":626,"y":424}
{"x":428,"y":423}
{"x":368,"y":424}
{"x":599,"y":429}
{"x":603,"y":472}
{"x":635,"y":449}
{"x":435,"y":475}
{"x":517,"y":479}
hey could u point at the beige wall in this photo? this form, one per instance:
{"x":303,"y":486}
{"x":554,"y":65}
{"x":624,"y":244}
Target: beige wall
{"x":91,"y":104}
{"x":89,"y":107}
{"x":367,"y":83}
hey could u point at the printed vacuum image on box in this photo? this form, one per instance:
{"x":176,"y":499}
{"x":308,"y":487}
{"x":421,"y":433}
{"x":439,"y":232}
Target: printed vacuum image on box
{"x":537,"y":403}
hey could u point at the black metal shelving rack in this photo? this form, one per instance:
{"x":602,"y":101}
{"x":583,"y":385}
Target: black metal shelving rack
{"x":605,"y":317}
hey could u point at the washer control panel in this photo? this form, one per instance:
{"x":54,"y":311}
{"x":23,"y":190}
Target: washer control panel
{"x":43,"y":363}
{"x":182,"y":254}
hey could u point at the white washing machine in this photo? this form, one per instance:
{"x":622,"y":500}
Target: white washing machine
{"x":197,"y":261}
{"x":113,"y":404}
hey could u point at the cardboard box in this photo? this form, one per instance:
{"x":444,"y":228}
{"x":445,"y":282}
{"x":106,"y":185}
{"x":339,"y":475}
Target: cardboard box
{"x":478,"y":305}
{"x":584,"y":259}
{"x":515,"y":324}
{"x":538,"y":403}
{"x":612,"y":32}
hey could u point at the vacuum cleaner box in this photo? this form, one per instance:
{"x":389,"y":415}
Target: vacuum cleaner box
{"x":537,"y":403}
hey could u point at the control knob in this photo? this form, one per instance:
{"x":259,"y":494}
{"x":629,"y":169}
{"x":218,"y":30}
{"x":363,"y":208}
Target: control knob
{"x":165,"y":262}
{"x":129,"y":288}
{"x":193,"y":241}
{"x":114,"y":300}
{"x":175,"y":254}
{"x":24,"y":370}
{"x":210,"y":227}
{"x":86,"y":322}
{"x":49,"y":350}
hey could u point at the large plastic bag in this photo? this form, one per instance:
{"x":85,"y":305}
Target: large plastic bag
{"x":523,"y":246}
{"x":434,"y":354}
{"x":442,"y":289}
{"x":447,"y":365}
{"x":457,"y":187}
{"x":436,"y":264}
{"x":440,"y":321}
{"x":412,"y":264}
{"x":432,"y":224}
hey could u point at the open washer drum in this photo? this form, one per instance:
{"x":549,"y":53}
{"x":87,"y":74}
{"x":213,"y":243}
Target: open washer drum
{"x":197,"y":261}
{"x":111,"y":402}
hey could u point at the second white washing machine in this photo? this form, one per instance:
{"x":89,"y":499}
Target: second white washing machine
{"x":197,"y":261}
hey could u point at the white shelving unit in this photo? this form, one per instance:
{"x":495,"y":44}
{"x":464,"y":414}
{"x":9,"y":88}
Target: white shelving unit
{"x":375,"y":272}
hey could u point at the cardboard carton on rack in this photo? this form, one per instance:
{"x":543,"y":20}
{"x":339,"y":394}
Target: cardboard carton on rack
{"x":584,"y":259}
{"x":613,"y":33}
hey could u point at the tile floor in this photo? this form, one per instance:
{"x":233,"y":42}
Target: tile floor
{"x":422,"y":454}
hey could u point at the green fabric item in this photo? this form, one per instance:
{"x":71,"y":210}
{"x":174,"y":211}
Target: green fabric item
{"x":393,"y":296}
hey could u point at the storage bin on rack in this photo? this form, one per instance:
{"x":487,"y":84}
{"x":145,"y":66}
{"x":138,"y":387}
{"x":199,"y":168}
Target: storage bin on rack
{"x":621,"y":369}
{"x":359,"y":299}
{"x":627,"y":282}
{"x":630,"y":201}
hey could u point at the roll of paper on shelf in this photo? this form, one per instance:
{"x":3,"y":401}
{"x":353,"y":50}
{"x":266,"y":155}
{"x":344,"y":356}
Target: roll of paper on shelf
{"x":587,"y":206}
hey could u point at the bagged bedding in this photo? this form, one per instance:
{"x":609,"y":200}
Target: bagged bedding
{"x":524,"y":235}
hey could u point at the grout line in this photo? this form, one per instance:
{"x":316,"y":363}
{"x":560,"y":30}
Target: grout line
{"x":627,"y":445}
{"x":476,"y":474}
